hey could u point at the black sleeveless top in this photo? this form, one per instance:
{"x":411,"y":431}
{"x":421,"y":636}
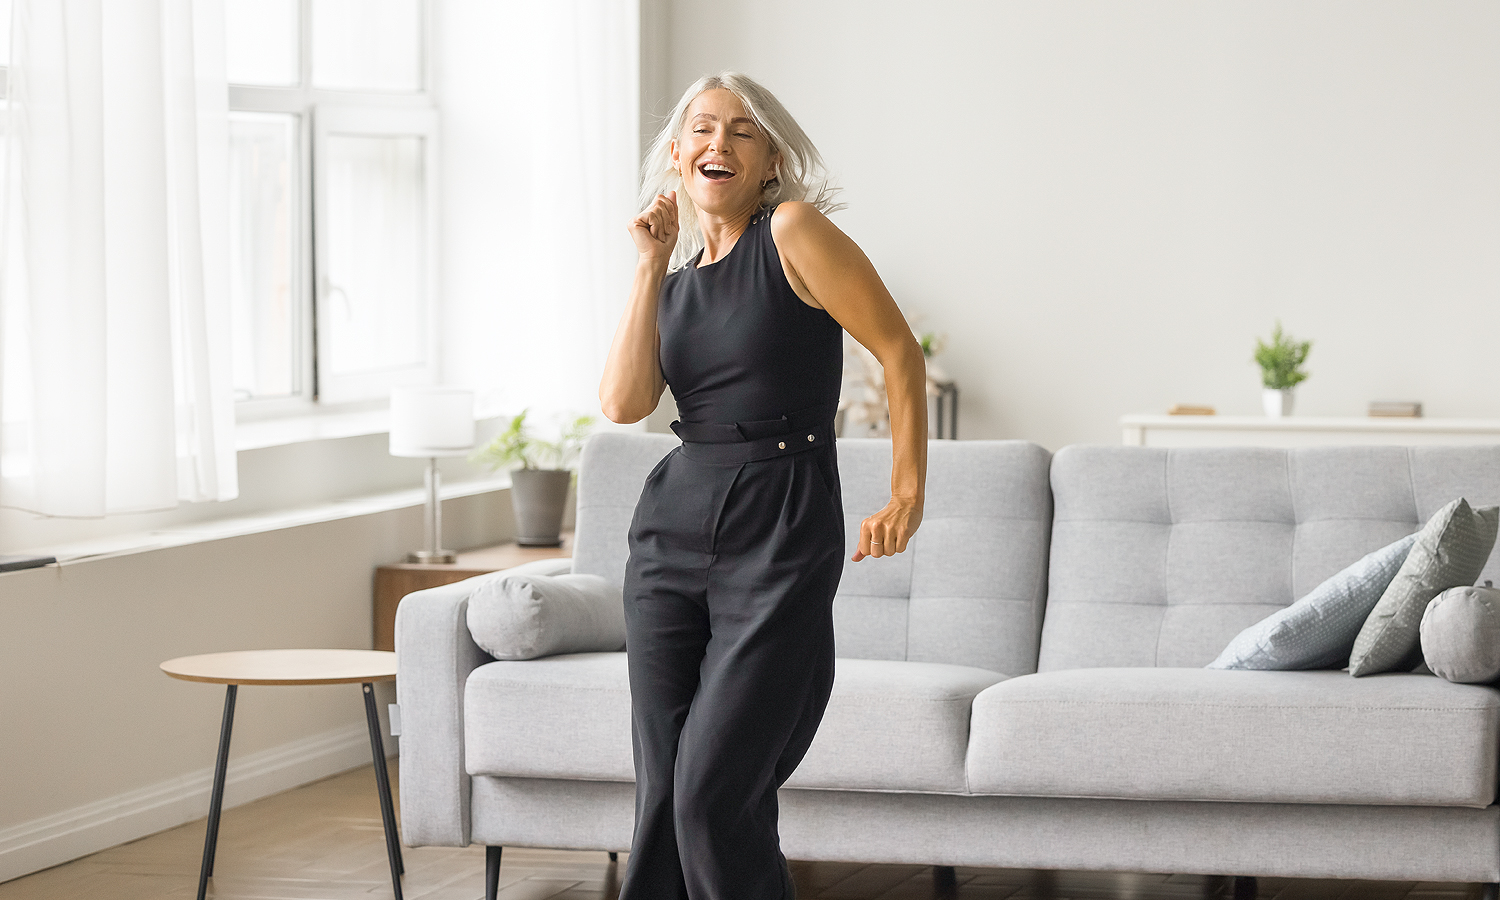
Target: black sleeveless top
{"x":738,"y":344}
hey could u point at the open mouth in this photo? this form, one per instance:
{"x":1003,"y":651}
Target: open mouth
{"x":716,"y":172}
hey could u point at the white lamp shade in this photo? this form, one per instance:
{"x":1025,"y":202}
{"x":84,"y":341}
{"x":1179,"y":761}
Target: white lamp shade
{"x":431,"y":421}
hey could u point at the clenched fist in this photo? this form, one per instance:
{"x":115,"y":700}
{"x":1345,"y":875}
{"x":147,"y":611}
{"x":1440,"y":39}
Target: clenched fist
{"x":655,"y":230}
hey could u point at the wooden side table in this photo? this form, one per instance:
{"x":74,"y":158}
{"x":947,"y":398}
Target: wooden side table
{"x":278,"y":667}
{"x":395,"y":581}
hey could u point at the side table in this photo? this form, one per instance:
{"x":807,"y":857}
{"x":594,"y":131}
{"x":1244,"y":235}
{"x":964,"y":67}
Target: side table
{"x":396,"y":580}
{"x":296,"y":667}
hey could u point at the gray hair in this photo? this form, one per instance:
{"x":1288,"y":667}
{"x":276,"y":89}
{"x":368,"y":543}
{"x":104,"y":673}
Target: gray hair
{"x":800,"y":175}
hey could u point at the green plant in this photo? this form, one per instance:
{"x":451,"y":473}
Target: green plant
{"x":517,"y":445}
{"x":1281,"y":360}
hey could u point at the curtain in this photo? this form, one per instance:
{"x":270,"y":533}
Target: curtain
{"x":115,"y":354}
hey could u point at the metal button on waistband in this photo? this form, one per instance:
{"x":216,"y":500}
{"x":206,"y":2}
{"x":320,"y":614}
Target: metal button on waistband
{"x":781,"y":444}
{"x":809,"y":437}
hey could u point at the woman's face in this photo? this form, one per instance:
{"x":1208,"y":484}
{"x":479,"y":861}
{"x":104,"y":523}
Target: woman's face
{"x":722,"y":155}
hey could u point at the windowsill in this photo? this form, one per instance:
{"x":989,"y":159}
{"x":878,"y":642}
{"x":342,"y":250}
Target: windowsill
{"x":257,"y":434}
{"x":219,"y":529}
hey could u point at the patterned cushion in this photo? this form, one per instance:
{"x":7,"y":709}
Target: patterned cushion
{"x":1450,"y":551}
{"x":1318,"y":631}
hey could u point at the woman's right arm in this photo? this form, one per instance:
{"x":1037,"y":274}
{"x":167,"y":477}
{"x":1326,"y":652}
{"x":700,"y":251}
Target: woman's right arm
{"x":633,"y":382}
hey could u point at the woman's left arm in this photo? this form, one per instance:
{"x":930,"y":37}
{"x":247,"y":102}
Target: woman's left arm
{"x":823,"y":264}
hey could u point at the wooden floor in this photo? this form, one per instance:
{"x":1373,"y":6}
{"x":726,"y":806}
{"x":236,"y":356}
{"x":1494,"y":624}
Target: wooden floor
{"x":324,"y":841}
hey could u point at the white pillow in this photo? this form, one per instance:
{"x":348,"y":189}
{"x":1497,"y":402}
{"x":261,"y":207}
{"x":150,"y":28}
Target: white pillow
{"x":520,"y":616}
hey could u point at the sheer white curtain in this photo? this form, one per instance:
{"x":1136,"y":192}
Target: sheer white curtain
{"x":115,"y":388}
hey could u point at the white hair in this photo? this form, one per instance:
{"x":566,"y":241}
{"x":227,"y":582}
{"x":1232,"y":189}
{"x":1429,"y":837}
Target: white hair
{"x":800,"y":174}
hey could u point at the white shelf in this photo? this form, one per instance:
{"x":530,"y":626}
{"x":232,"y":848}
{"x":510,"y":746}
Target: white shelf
{"x":1302,"y":431}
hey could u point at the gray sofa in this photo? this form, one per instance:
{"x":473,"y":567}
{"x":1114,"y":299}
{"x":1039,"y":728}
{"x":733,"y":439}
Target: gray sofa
{"x":1024,"y":686}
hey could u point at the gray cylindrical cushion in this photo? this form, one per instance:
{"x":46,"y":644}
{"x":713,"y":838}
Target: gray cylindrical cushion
{"x":523,"y":616}
{"x":1461,"y":634}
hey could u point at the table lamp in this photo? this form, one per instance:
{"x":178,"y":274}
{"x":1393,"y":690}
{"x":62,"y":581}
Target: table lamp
{"x":431,"y":422}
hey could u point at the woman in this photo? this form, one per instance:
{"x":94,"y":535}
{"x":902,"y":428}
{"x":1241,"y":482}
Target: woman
{"x":737,"y":541}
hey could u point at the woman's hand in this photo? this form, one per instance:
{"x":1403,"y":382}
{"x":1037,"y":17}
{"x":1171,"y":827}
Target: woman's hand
{"x":655,"y":230}
{"x":886,"y":532}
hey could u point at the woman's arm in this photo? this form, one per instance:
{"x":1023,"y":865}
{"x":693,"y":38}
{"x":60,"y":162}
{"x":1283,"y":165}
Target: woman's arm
{"x":825,"y":266}
{"x":633,"y":382}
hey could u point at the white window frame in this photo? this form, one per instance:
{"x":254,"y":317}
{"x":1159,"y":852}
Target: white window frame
{"x":361,"y":112}
{"x":366,"y":121}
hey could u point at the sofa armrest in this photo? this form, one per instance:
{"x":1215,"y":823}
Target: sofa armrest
{"x":434,"y":656}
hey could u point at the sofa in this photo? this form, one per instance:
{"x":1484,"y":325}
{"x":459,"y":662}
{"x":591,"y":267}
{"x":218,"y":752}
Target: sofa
{"x":1025,"y":685}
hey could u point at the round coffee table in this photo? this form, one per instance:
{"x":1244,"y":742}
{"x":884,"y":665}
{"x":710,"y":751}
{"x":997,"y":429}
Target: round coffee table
{"x":280,"y":667}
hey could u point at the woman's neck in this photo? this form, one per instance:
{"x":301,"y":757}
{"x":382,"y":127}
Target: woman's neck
{"x":720,"y":233}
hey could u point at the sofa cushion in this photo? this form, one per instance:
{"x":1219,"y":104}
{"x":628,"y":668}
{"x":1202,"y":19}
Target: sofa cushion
{"x":517,"y":615}
{"x":1161,"y":556}
{"x":898,"y":726}
{"x":1461,"y":635}
{"x":1318,"y":631}
{"x":889,"y":725}
{"x":1206,"y":734}
{"x":1450,"y":551}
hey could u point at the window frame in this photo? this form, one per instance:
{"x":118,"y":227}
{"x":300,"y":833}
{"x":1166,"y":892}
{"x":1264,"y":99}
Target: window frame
{"x":373,"y":110}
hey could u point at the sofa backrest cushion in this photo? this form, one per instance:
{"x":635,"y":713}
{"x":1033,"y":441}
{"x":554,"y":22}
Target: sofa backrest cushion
{"x":1160,"y":557}
{"x":969,"y":588}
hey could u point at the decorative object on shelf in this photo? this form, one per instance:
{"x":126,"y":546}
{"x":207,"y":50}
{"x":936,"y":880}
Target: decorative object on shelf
{"x":1280,"y":370}
{"x":537,"y":495}
{"x":1396,"y":409}
{"x":431,"y":422}
{"x":1188,"y":409}
{"x":864,"y":407}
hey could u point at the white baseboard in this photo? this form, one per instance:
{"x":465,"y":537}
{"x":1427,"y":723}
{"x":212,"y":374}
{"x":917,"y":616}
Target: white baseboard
{"x":58,"y":838}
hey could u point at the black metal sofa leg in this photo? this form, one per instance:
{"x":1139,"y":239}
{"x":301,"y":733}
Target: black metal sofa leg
{"x":944,"y":880}
{"x":1490,"y":892}
{"x":614,"y":856}
{"x":1244,"y":887}
{"x":491,"y":872}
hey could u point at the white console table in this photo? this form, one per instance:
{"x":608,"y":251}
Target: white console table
{"x":1301,"y":431}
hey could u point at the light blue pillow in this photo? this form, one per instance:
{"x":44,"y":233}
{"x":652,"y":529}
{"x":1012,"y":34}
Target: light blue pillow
{"x":1318,"y":631}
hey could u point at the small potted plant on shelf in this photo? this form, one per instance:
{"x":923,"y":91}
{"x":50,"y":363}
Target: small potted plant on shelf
{"x":537,"y":494}
{"x":1280,"y":370}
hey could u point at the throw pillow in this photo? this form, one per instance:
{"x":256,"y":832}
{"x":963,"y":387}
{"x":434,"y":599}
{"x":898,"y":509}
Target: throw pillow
{"x":525,"y":616}
{"x":1461,"y":635}
{"x":1318,"y":631}
{"x":1450,"y":551}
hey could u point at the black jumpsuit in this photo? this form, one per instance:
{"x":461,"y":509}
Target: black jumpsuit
{"x":736,"y":549}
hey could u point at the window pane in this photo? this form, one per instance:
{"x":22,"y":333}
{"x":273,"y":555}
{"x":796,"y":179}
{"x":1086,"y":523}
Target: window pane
{"x":373,"y":45}
{"x":261,"y":46}
{"x":263,"y":253}
{"x":374,"y":289}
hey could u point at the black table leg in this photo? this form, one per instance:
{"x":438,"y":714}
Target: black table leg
{"x":383,"y":783}
{"x":216,"y":802}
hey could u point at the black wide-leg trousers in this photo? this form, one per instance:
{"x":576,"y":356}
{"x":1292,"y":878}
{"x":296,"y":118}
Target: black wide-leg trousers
{"x":736,"y":550}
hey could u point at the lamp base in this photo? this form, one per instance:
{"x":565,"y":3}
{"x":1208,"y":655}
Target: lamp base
{"x":430,"y":557}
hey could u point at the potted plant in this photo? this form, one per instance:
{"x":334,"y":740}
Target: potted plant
{"x":537,"y":494}
{"x":1280,"y":370}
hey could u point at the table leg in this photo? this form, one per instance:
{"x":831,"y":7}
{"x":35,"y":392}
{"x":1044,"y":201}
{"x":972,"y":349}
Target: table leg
{"x":216,"y":802}
{"x":383,"y":784}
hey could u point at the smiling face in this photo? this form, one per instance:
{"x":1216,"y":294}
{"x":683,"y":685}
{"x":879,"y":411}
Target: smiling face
{"x":723,"y":155}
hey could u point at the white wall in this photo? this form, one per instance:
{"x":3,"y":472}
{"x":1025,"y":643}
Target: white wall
{"x":1103,"y":204}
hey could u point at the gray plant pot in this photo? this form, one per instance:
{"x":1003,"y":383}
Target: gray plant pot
{"x":537,"y":496}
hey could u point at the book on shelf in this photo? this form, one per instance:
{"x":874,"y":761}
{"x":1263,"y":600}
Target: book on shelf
{"x":1190,"y":409}
{"x":1399,"y":409}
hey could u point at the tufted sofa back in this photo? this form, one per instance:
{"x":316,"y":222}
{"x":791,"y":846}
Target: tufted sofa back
{"x":1159,"y":557}
{"x":968,"y":590}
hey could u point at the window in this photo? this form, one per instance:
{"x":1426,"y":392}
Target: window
{"x":332,"y":166}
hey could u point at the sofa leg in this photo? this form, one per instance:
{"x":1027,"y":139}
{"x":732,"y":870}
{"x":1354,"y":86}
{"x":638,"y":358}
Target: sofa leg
{"x":1244,"y":887}
{"x":613,"y":856}
{"x":944,"y":881}
{"x":491,"y":872}
{"x":1490,"y":892}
